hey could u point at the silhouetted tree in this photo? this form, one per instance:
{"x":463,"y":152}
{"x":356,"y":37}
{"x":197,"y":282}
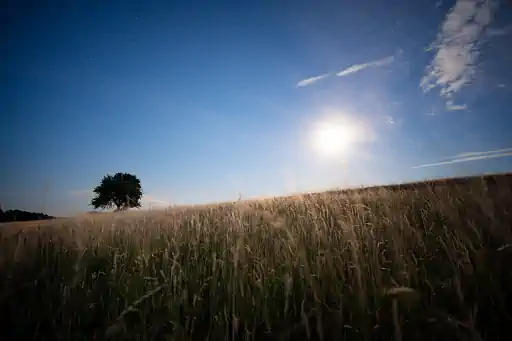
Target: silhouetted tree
{"x":122,"y":190}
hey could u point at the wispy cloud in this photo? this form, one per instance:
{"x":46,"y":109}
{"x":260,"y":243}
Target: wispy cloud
{"x":498,"y":32}
{"x":455,"y":107}
{"x":495,"y":151}
{"x":471,"y":156}
{"x":389,"y":119}
{"x":358,"y":67}
{"x":457,"y":43}
{"x":311,"y":80}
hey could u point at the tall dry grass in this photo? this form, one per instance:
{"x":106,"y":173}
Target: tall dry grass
{"x":424,"y":262}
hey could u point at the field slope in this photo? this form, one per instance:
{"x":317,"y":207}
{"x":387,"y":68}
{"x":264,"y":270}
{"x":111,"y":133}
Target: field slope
{"x":425,"y":261}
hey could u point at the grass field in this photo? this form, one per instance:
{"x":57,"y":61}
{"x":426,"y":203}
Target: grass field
{"x":429,"y":261}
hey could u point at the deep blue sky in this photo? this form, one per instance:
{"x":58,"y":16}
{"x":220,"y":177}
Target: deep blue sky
{"x":205,"y":99}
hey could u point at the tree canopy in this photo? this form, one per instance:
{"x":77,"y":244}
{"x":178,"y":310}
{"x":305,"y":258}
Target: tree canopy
{"x":121,"y":190}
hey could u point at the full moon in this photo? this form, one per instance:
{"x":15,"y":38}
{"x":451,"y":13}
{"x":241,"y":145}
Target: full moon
{"x":333,"y":138}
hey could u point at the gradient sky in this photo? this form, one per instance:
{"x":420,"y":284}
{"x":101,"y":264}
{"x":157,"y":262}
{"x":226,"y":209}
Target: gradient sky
{"x":205,"y":100}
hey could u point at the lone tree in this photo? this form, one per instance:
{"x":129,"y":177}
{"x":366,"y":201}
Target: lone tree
{"x":122,"y":190}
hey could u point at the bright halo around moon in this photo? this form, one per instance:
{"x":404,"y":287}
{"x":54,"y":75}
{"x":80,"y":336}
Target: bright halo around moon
{"x":333,"y":138}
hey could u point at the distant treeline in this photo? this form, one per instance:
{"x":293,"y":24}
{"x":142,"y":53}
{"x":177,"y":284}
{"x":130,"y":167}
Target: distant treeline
{"x":18,"y":215}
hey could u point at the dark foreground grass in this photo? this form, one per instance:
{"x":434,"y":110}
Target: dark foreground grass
{"x":425,"y":262}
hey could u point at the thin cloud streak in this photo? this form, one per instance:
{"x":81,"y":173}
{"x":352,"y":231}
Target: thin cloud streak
{"x":311,"y":80}
{"x":350,"y":70}
{"x":455,"y":107}
{"x":468,"y":154}
{"x":358,"y":67}
{"x":466,"y":159}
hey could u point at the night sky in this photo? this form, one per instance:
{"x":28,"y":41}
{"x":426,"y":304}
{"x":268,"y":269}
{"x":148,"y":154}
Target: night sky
{"x":206,"y":100}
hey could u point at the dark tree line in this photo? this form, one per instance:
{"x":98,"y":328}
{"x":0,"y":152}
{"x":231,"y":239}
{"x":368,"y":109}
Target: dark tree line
{"x":18,"y":215}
